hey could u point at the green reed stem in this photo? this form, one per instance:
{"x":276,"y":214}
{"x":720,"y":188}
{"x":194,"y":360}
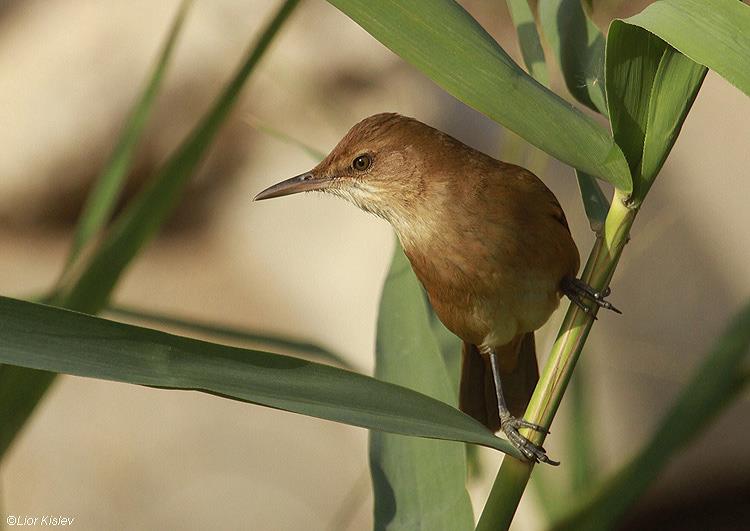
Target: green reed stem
{"x":514,"y":474}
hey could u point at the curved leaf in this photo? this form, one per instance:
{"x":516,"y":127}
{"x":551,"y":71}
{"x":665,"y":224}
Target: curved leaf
{"x":714,"y":33}
{"x":594,"y":201}
{"x":52,"y":339}
{"x":441,"y":39}
{"x":632,"y":58}
{"x":89,"y":289}
{"x":142,"y":218}
{"x":578,"y":46}
{"x":101,"y":201}
{"x":651,"y":88}
{"x":676,"y":84}
{"x":233,"y":333}
{"x":418,"y":484}
{"x":528,"y":39}
{"x":449,"y":345}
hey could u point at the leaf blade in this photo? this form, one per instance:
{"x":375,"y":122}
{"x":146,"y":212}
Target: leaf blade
{"x":141,"y":220}
{"x":90,"y":290}
{"x":651,"y":88}
{"x":418,"y":484}
{"x":443,"y":41}
{"x":714,"y":33}
{"x":21,"y":389}
{"x":528,"y":39}
{"x":233,"y":333}
{"x":632,"y":59}
{"x":101,"y":201}
{"x":676,"y":84}
{"x":52,"y":339}
{"x":595,"y":203}
{"x":578,"y":46}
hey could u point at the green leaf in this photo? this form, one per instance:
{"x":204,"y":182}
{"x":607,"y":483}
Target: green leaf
{"x":233,"y":333}
{"x":578,"y":46}
{"x":528,"y":39}
{"x":134,"y":227}
{"x":651,"y":88}
{"x":449,"y":345}
{"x":20,"y":391}
{"x":101,"y":201}
{"x":450,"y":348}
{"x":584,"y":470}
{"x":632,"y":58}
{"x":676,"y":84}
{"x":143,"y":217}
{"x":714,"y":33}
{"x":716,"y":382}
{"x":418,"y":484}
{"x":442,"y":40}
{"x":52,"y":339}
{"x":594,"y":201}
{"x":312,"y":152}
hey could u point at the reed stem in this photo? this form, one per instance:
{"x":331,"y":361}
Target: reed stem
{"x":514,"y":474}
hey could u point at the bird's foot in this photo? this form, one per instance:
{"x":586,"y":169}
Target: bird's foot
{"x":578,"y":291}
{"x":532,"y":452}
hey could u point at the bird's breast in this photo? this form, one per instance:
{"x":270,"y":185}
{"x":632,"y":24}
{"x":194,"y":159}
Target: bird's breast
{"x":491,"y":246}
{"x":487,"y":291}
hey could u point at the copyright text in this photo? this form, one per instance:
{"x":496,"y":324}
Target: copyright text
{"x":46,"y":520}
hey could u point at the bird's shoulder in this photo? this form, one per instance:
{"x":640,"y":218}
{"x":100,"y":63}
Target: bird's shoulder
{"x":506,"y":191}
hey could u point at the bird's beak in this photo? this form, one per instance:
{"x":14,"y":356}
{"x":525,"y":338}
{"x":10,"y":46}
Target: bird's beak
{"x":307,"y":182}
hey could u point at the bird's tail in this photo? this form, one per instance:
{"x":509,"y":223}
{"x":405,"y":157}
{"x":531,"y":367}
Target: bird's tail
{"x":519,"y":374}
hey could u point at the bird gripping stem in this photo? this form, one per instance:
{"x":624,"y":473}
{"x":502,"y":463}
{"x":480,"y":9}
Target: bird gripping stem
{"x":514,"y":474}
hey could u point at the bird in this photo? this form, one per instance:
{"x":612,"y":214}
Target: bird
{"x":488,"y":241}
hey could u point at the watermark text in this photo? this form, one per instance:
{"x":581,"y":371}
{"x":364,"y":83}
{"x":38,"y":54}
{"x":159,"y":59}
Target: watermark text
{"x":42,"y":520}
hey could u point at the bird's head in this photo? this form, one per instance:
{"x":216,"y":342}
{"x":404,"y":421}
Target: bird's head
{"x":378,"y":166}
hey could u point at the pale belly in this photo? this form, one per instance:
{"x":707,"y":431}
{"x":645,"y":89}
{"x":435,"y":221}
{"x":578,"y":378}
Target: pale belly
{"x":514,"y":313}
{"x":495,"y":318}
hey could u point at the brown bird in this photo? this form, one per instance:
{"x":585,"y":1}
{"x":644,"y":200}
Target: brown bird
{"x":488,"y":240}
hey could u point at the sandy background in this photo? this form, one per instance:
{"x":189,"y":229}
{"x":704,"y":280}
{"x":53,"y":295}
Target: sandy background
{"x":126,"y":457}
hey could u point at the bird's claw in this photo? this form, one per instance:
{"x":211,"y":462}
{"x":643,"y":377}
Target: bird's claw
{"x":577,"y":290}
{"x":521,"y":423}
{"x":532,"y":452}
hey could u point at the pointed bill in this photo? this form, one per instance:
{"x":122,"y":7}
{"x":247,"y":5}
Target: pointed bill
{"x":306,"y":182}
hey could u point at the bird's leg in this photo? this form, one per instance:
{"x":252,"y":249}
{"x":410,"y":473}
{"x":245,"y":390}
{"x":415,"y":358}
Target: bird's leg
{"x":577,"y":291}
{"x":510,"y":425}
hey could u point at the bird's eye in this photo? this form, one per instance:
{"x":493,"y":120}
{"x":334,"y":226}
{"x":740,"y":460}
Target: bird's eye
{"x":362,"y":162}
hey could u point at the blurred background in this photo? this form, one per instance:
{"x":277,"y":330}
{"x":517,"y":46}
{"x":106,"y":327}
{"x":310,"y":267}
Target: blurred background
{"x":114,"y":455}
